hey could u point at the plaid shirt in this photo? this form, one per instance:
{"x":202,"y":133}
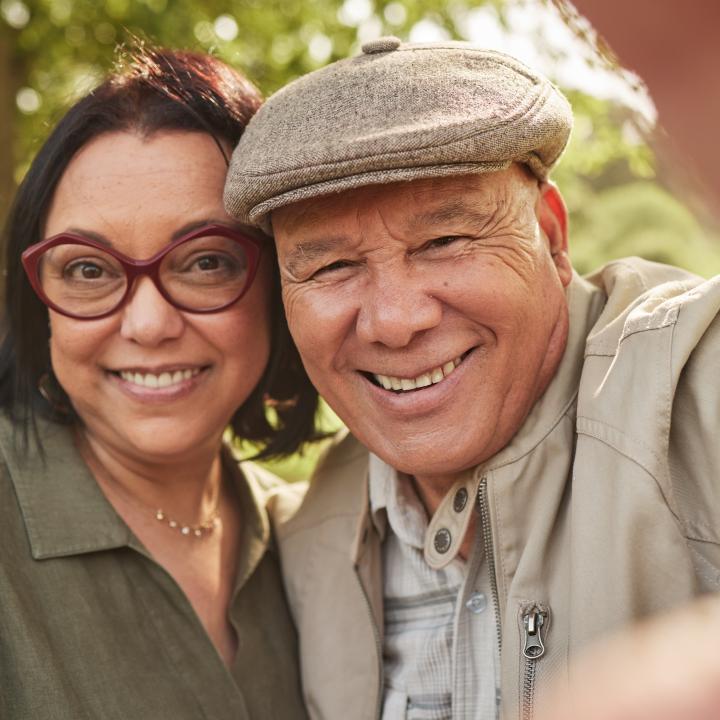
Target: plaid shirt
{"x":440,"y":652}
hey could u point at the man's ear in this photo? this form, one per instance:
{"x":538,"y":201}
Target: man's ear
{"x":553,"y":218}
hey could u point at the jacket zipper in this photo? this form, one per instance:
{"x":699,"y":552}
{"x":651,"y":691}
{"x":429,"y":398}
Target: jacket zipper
{"x":378,"y":647}
{"x":484,"y":507}
{"x":533,"y":621}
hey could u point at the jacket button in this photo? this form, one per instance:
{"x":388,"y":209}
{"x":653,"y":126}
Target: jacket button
{"x":443,"y":540}
{"x":460,"y":500}
{"x":381,"y":45}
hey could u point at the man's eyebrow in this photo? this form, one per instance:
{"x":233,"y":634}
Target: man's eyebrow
{"x":453,"y":212}
{"x":307,"y":252}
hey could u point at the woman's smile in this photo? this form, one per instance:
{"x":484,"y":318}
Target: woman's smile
{"x":160,"y":385}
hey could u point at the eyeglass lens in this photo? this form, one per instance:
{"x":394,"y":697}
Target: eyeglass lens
{"x":200,"y":274}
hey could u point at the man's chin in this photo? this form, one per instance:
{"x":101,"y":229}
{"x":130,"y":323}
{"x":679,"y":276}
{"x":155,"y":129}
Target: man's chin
{"x":423,"y":460}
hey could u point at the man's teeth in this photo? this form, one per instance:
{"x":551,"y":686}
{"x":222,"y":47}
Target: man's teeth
{"x":162,"y":380}
{"x":429,"y":378}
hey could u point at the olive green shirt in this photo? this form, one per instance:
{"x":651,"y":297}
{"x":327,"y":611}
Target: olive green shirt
{"x":92,"y":627}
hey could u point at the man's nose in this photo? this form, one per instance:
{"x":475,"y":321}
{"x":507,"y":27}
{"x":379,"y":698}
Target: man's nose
{"x":395,"y":308}
{"x":148,"y":318}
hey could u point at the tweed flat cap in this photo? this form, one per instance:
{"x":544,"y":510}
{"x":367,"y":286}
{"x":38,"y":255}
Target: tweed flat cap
{"x":398,"y":111}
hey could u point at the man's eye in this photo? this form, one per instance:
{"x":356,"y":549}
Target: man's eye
{"x":332,"y":267}
{"x":441,"y":242}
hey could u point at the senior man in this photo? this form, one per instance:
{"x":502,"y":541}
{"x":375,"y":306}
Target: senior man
{"x":532,"y":460}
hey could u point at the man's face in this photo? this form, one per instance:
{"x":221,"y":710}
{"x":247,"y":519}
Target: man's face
{"x":431,"y":315}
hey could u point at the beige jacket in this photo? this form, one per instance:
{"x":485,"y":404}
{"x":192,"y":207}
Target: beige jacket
{"x":604,"y":508}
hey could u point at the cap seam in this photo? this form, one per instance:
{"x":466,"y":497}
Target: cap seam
{"x":495,"y":55}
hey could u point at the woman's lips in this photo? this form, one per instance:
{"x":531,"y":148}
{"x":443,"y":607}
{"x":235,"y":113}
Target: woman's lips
{"x":160,"y":385}
{"x":158,"y":380}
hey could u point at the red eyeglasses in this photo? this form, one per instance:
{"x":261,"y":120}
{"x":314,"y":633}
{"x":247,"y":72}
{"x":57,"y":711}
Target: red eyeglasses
{"x":205,"y":271}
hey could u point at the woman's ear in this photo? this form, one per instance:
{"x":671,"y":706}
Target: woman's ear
{"x":553,"y":219}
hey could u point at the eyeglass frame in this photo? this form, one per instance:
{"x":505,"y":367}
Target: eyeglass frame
{"x":137,"y":268}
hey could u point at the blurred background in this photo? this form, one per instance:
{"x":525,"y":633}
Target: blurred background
{"x":625,"y":197}
{"x":626,"y":194}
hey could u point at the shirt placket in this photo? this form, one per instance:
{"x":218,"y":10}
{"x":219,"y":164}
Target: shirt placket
{"x":474,"y":653}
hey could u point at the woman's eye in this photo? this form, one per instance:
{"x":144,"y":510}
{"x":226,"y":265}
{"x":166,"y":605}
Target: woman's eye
{"x":83,"y":271}
{"x":214,"y":263}
{"x":209,"y":262}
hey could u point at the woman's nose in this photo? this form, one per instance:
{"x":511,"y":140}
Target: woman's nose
{"x":148,"y":318}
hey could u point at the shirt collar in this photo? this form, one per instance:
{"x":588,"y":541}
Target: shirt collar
{"x":66,"y":513}
{"x":64,"y":510}
{"x":393,"y":494}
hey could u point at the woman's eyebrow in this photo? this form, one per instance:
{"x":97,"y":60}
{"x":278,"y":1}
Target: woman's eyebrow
{"x":90,"y":235}
{"x":184,"y":230}
{"x":196,"y":225}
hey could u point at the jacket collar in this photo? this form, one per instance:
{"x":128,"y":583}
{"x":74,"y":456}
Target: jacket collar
{"x":253,"y":495}
{"x":585,"y":303}
{"x":64,"y":510}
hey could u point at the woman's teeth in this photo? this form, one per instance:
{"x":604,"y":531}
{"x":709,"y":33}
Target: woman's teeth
{"x":162,"y":380}
{"x":429,"y":378}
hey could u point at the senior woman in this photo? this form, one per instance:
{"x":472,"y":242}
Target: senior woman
{"x":137,"y":574}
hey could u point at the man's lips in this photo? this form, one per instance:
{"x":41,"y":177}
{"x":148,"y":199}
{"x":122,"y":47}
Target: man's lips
{"x":433,"y":376}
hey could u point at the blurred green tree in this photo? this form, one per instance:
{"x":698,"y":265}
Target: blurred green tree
{"x":51,"y":51}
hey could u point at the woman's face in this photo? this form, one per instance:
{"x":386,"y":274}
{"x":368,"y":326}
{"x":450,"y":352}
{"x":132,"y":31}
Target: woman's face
{"x":137,"y":194}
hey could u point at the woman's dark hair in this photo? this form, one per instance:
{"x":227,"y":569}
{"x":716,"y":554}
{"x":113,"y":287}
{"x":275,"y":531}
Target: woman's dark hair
{"x":150,"y":91}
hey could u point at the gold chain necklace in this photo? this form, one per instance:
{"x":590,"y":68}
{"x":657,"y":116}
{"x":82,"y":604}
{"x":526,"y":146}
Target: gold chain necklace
{"x":203,"y":528}
{"x":198,"y":530}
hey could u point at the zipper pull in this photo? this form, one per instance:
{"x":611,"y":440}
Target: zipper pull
{"x":533,"y":622}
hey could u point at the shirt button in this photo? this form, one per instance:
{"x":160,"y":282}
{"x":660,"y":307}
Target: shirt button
{"x":476,"y":603}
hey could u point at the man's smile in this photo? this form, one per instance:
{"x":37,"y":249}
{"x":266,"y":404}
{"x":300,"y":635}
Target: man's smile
{"x":429,"y":377}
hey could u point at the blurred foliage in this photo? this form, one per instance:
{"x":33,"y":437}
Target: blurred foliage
{"x":298,"y":466}
{"x":617,"y":204}
{"x":52,"y":51}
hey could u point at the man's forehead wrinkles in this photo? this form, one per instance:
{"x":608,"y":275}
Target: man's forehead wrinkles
{"x":305,"y":216}
{"x":382,"y":216}
{"x":454,"y":211}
